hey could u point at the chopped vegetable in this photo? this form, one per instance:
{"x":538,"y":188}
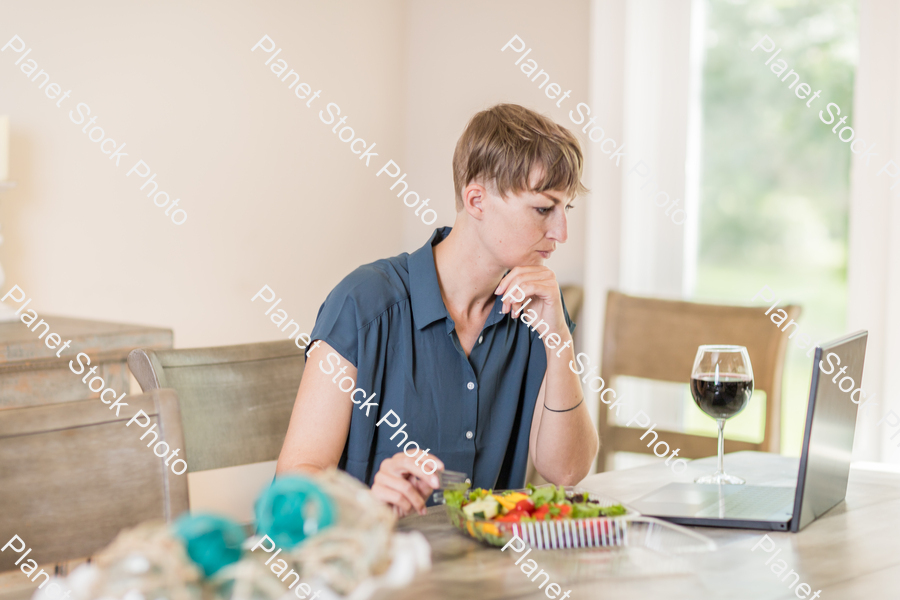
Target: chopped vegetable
{"x":525,"y":505}
{"x":539,"y":504}
{"x":486,"y":507}
{"x":455,"y":497}
{"x":508,"y":501}
{"x":490,"y":528}
{"x":478,"y":493}
{"x":513,"y":516}
{"x":584,"y":510}
{"x":543,"y":496}
{"x":613,"y":511}
{"x":541,"y":513}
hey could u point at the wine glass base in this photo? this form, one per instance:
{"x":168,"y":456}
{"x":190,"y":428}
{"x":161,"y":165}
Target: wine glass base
{"x":720,"y":478}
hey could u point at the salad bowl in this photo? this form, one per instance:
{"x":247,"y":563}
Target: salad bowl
{"x":544,"y":517}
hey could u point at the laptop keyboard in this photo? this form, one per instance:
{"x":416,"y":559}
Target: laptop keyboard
{"x":751,"y":503}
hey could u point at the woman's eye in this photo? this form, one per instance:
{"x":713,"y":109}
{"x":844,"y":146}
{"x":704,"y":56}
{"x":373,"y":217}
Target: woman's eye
{"x":570,"y":207}
{"x":544,"y":211}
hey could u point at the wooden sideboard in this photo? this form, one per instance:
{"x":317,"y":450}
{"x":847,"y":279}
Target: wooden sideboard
{"x":31,"y":373}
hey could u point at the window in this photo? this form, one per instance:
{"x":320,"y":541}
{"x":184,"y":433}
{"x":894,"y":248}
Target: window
{"x":774,"y":182}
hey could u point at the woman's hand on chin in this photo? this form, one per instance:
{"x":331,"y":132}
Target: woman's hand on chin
{"x":403,"y":485}
{"x":537,"y":284}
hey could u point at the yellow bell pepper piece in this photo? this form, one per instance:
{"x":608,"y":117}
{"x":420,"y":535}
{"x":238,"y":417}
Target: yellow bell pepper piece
{"x":509,"y":501}
{"x":504,"y":502}
{"x":490,"y":528}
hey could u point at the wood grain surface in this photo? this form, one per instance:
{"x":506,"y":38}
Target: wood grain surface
{"x":31,"y":373}
{"x":74,"y":475}
{"x":852,"y":552}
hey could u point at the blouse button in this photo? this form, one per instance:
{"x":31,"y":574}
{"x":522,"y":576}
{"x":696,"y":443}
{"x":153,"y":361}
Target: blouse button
{"x":480,"y":339}
{"x":469,"y":435}
{"x":470,"y":385}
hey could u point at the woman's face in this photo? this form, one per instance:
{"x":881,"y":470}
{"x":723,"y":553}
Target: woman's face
{"x":523,"y":228}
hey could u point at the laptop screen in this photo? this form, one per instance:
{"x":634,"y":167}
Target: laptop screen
{"x":830,"y":424}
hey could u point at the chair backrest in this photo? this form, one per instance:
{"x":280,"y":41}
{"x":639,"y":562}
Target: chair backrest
{"x":235,"y":401}
{"x":658,"y":339}
{"x":573,"y":295}
{"x":72,"y":475}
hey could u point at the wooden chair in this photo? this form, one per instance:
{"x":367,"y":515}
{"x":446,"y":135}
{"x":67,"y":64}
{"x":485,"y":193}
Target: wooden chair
{"x":74,"y":475}
{"x":235,"y":401}
{"x":573,"y":295}
{"x":658,"y":339}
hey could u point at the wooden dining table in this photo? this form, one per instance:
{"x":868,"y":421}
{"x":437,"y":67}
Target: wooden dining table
{"x":850,"y":552}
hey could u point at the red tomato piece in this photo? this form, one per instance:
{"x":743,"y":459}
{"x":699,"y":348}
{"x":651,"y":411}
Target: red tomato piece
{"x":512,"y":516}
{"x":527,"y":505}
{"x":561,"y":510}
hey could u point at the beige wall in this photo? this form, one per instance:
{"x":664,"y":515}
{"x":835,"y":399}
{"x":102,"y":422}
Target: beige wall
{"x":266,"y":184}
{"x":272,"y":196}
{"x":268,"y":188}
{"x":455,"y":69}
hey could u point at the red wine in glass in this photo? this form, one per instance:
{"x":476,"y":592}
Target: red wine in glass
{"x":722,"y":397}
{"x":721,"y":384}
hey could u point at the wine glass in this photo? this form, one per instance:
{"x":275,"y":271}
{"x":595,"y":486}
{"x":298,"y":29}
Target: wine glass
{"x":721,"y":384}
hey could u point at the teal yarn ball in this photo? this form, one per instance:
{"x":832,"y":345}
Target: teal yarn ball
{"x":292,"y":509}
{"x":211,"y":541}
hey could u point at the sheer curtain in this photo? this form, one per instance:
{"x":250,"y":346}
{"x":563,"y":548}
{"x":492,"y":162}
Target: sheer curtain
{"x":641,"y":89}
{"x":874,"y":258}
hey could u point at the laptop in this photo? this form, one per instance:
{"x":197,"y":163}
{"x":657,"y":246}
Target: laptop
{"x":821,"y":477}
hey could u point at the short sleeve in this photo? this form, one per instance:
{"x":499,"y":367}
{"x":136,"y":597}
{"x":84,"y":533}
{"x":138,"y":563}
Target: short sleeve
{"x":363,"y":295}
{"x":571,"y":324}
{"x":337,"y":322}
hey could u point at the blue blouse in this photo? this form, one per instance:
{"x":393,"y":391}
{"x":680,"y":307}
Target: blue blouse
{"x":388,"y":319}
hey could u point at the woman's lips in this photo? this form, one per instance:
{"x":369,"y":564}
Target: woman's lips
{"x":544,"y":254}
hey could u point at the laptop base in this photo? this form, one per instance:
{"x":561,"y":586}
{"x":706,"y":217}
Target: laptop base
{"x":741,"y":506}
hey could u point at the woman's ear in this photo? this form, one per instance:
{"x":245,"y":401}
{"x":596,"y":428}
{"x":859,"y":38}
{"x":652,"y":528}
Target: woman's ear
{"x":474,"y":199}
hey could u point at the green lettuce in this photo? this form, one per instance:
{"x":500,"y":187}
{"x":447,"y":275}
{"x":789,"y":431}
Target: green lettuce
{"x":454,"y":497}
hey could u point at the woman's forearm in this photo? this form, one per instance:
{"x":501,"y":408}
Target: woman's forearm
{"x":567,"y":442}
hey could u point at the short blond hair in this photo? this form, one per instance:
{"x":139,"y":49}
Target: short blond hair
{"x":505,"y":142}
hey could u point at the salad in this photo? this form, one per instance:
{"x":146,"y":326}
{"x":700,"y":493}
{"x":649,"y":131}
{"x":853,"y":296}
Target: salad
{"x":535,"y":504}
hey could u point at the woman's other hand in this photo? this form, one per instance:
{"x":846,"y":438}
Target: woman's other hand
{"x":402,"y":484}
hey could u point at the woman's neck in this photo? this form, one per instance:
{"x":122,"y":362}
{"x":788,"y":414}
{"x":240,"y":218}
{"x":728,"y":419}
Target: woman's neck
{"x":466,"y":273}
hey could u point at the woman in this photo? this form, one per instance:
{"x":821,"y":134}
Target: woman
{"x":461,"y":348}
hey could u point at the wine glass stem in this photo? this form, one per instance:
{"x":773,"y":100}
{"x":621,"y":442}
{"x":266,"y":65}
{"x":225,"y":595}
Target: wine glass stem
{"x":721,"y":423}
